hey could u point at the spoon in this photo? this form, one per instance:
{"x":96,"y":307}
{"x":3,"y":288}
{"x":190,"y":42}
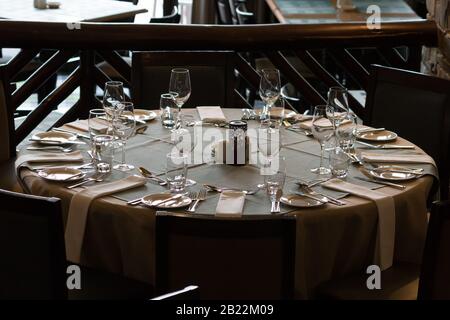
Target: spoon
{"x":144,"y":172}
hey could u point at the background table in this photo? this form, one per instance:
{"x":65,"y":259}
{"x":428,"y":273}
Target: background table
{"x":324,"y":11}
{"x":331,"y":241}
{"x":70,"y":11}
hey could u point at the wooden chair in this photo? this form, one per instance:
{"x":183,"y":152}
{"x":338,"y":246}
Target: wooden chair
{"x":173,"y":17}
{"x":245,"y":258}
{"x":212,"y":77}
{"x":417,"y":107}
{"x":34,"y":259}
{"x":401,"y":282}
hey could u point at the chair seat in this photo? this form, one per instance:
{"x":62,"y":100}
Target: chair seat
{"x":8,"y":177}
{"x":100,"y":285}
{"x":397,"y":283}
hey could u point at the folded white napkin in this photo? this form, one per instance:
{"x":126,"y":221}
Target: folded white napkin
{"x":42,"y":157}
{"x":397,"y":158}
{"x":211,"y":114}
{"x":79,"y":208}
{"x":99,"y":125}
{"x":231,"y":204}
{"x":384,"y":250}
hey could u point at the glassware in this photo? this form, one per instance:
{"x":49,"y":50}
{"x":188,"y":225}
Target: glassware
{"x":184,"y":142}
{"x":276,"y":112}
{"x":269,"y":89}
{"x":275,"y":179}
{"x":338,"y":101}
{"x":103,"y":151}
{"x":339,"y":162}
{"x":176,"y":172}
{"x":346,"y":133}
{"x":124,"y":125}
{"x":94,"y":115}
{"x":269,"y":139}
{"x":113,"y":95}
{"x":323,"y":130}
{"x":169,"y":111}
{"x":180,"y":86}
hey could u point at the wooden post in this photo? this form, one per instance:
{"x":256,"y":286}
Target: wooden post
{"x":87,"y":86}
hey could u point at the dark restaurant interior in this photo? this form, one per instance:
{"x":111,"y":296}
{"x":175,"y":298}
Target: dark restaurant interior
{"x":225,"y":150}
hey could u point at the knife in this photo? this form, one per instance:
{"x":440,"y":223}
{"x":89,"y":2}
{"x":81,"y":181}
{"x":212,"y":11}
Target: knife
{"x":390,"y":184}
{"x":72,"y":132}
{"x":57,"y":142}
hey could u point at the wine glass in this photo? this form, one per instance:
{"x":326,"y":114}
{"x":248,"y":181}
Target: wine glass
{"x":180,"y":86}
{"x":124,"y":124}
{"x":323,"y":130}
{"x":94,"y":116}
{"x":184,"y":142}
{"x":269,"y":139}
{"x":113,"y":95}
{"x":269,"y":89}
{"x":274,"y":181}
{"x":338,"y":103}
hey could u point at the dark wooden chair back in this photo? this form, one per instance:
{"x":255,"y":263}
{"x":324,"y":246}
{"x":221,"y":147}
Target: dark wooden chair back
{"x":243,"y":15}
{"x":7,"y":143}
{"x":212,"y":77}
{"x":224,"y":12}
{"x":434,"y":281}
{"x":173,"y":17}
{"x":247,"y":258}
{"x":417,"y":107}
{"x":33,"y":263}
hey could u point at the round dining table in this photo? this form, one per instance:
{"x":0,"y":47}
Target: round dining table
{"x":331,"y":242}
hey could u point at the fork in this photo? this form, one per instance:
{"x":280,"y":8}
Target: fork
{"x":247,"y":192}
{"x":308,"y":190}
{"x":200,"y":196}
{"x":96,"y":178}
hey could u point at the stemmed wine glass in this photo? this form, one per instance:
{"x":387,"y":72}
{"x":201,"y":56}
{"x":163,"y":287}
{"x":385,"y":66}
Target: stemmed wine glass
{"x":323,"y":130}
{"x":184,"y":142}
{"x":269,"y":89}
{"x":113,"y":96}
{"x":338,"y":103}
{"x":180,"y":87}
{"x":124,"y":124}
{"x":269,"y":140}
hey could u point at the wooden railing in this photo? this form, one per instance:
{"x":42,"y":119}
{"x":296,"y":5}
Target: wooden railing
{"x":313,"y":45}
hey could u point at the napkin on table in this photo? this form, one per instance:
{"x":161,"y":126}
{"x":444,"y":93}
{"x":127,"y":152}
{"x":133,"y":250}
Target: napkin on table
{"x":99,"y":125}
{"x":384,"y":251}
{"x":231,"y":204}
{"x":211,"y":114}
{"x":43,"y":157}
{"x":79,"y":208}
{"x":397,"y":158}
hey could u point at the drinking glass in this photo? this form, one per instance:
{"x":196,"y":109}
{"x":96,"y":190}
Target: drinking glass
{"x":124,"y":125}
{"x":103,"y":152}
{"x":338,"y":103}
{"x":339,"y":162}
{"x":176,"y":172}
{"x":346,"y":133}
{"x":276,"y":112}
{"x":169,"y":111}
{"x":269,"y":89}
{"x":269,"y":139}
{"x":113,"y":95}
{"x":180,"y":86}
{"x":94,"y":115}
{"x":323,"y":130}
{"x":184,"y":142}
{"x":275,"y":180}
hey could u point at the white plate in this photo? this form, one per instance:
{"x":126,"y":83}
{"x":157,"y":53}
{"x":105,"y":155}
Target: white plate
{"x":377,"y":136}
{"x":54,"y":137}
{"x":298,"y":201}
{"x":392,"y":175}
{"x":177,"y":203}
{"x":61,"y":174}
{"x":144,"y":115}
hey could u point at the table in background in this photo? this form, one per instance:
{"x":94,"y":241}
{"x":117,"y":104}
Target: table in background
{"x":324,"y":11}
